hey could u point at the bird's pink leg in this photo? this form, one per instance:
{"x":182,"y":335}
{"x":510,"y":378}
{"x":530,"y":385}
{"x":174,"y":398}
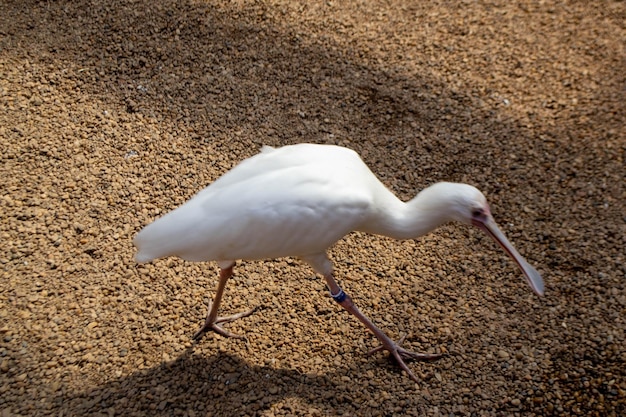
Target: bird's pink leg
{"x":212,"y":320}
{"x":398,"y":353}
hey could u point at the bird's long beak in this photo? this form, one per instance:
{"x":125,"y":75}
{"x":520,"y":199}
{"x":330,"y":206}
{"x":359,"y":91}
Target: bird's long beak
{"x":531,"y":275}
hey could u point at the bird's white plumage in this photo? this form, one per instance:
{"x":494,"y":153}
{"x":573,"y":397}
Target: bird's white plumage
{"x":268,"y":206}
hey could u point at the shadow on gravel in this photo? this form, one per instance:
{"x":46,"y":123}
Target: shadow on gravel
{"x":221,"y":384}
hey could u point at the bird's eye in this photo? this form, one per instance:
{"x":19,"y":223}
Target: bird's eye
{"x":477,"y":212}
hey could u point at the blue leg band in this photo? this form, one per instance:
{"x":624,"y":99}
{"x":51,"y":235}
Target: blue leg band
{"x":340,"y":296}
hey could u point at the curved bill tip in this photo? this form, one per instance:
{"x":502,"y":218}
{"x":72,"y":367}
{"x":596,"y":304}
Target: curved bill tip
{"x":531,"y":275}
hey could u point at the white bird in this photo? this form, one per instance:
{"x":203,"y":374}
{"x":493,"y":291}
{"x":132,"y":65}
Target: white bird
{"x":298,"y":201}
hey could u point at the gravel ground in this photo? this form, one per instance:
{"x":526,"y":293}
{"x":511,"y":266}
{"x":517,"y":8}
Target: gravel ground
{"x":114,"y":112}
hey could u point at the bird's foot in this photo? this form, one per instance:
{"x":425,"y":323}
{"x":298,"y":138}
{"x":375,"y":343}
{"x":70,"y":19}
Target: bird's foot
{"x":215,"y":325}
{"x":400,"y":355}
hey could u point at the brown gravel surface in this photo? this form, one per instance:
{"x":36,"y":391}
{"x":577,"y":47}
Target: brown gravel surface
{"x":113,"y":112}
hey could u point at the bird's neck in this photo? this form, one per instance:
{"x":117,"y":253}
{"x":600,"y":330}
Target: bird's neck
{"x":409,"y":220}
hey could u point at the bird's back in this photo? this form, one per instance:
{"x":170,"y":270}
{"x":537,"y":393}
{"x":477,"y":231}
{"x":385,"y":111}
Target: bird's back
{"x":291,"y":201}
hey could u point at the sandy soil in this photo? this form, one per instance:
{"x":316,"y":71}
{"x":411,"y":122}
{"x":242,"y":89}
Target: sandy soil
{"x":113,"y":112}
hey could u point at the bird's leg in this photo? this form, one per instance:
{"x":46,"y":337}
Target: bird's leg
{"x":398,"y":353}
{"x":212,"y":320}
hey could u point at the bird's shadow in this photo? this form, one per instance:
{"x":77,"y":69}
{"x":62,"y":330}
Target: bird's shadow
{"x":195,"y":384}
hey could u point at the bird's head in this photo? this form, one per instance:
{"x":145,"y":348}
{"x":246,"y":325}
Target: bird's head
{"x":468,"y":205}
{"x":462,"y":202}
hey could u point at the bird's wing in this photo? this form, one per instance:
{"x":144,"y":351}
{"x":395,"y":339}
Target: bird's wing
{"x":264,"y":208}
